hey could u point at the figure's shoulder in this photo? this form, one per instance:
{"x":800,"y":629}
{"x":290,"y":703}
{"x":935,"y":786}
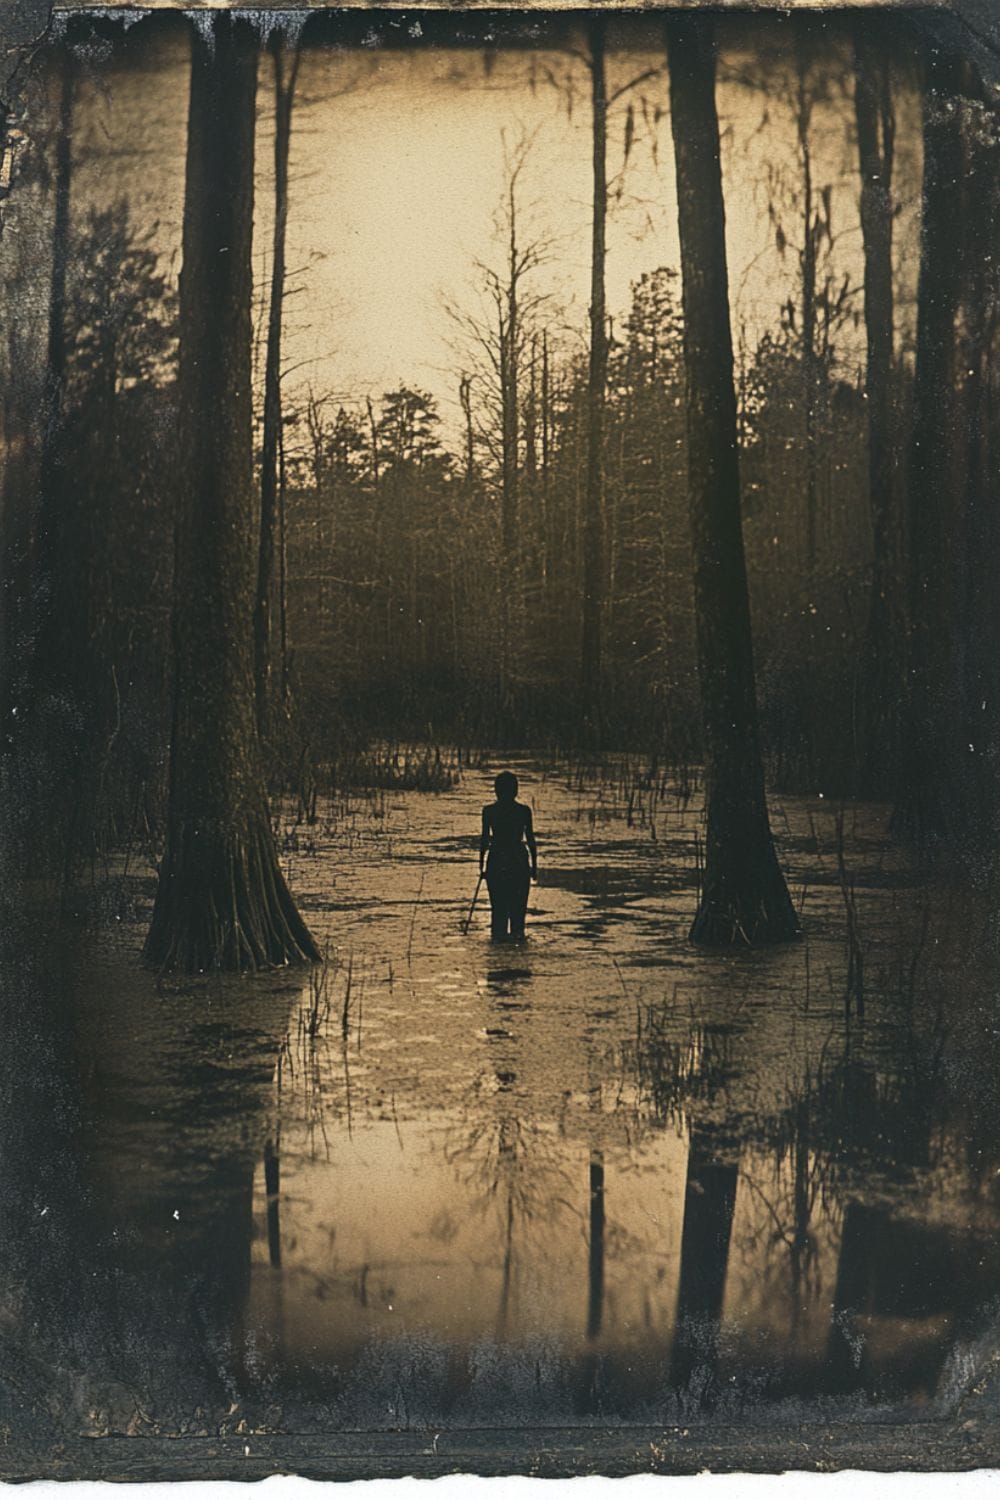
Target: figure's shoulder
{"x":488,"y":808}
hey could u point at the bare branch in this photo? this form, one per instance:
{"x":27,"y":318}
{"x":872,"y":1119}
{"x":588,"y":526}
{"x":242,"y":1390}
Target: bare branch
{"x":633,"y":84}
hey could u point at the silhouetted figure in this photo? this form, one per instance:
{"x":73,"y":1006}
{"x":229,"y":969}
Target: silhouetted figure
{"x":509,"y":839}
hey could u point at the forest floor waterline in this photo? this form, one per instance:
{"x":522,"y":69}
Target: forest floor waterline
{"x":596,"y":1176}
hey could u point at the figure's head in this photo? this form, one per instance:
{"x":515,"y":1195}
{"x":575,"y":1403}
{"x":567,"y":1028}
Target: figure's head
{"x":505,"y":786}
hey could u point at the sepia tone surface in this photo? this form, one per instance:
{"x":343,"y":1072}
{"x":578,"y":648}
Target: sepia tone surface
{"x":373,"y":393}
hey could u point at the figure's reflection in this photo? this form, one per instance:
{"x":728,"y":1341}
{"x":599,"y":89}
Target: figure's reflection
{"x":505,"y":982}
{"x":699,"y":1219}
{"x":505,"y":986}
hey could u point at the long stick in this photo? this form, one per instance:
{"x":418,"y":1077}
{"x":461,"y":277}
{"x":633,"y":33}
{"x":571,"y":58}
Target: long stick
{"x":475,"y":898}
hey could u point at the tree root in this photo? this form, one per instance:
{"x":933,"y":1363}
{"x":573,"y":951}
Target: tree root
{"x":223,"y":904}
{"x":745,"y":908}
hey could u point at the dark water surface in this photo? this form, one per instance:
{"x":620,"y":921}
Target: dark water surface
{"x":596,"y":1176}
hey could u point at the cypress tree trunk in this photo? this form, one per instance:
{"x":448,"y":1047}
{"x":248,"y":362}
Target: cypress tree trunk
{"x":221,"y":900}
{"x":465,"y":402}
{"x":926,"y":808}
{"x":880,"y":674}
{"x":284,"y":93}
{"x":597,"y":375}
{"x":744,"y":899}
{"x":508,"y":347}
{"x":284,"y":685}
{"x":510,"y":338}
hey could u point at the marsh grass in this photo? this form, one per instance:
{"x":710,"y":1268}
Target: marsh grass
{"x":319,"y":997}
{"x":394,"y":767}
{"x":676,"y":1070}
{"x":643,"y":792}
{"x":854,"y":984}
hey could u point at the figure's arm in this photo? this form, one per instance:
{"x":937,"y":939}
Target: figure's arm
{"x":529,"y":839}
{"x":484,"y":838}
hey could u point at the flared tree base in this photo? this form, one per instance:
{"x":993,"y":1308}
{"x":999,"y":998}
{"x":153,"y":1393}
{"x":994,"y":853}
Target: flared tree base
{"x":222,"y":904}
{"x":745,"y":906}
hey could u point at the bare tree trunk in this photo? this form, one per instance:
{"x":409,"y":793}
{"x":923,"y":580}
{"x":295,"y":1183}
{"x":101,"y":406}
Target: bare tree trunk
{"x":284,"y":95}
{"x":978,"y":629}
{"x":926,"y":807}
{"x":465,"y":401}
{"x":221,"y":900}
{"x":546,"y":421}
{"x":509,"y":341}
{"x":379,"y":568}
{"x":283,"y":568}
{"x":508,"y":336}
{"x":531,"y":426}
{"x":880,"y":673}
{"x":744,"y":899}
{"x":57,"y":606}
{"x":56,"y":349}
{"x":597,"y":376}
{"x":52,"y":529}
{"x":373,"y":431}
{"x":530,"y":530}
{"x":803,"y":121}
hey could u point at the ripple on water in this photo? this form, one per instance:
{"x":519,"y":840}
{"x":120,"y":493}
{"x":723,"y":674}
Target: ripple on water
{"x":597,"y":1174}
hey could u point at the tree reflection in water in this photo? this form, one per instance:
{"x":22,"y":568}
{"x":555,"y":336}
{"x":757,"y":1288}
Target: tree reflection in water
{"x":764,"y":1271}
{"x":506,"y":1188}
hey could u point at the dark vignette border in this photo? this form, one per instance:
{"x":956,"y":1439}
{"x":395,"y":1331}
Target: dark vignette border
{"x":964,"y":1436}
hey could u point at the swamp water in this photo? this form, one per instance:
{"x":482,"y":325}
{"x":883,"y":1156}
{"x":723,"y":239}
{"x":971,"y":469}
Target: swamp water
{"x":597,"y":1175}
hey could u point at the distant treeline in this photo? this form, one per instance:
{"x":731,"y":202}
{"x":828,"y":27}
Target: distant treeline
{"x":392,"y":575}
{"x":396,"y":573}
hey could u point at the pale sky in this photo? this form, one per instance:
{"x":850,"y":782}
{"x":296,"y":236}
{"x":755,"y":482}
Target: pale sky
{"x":397,"y":172}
